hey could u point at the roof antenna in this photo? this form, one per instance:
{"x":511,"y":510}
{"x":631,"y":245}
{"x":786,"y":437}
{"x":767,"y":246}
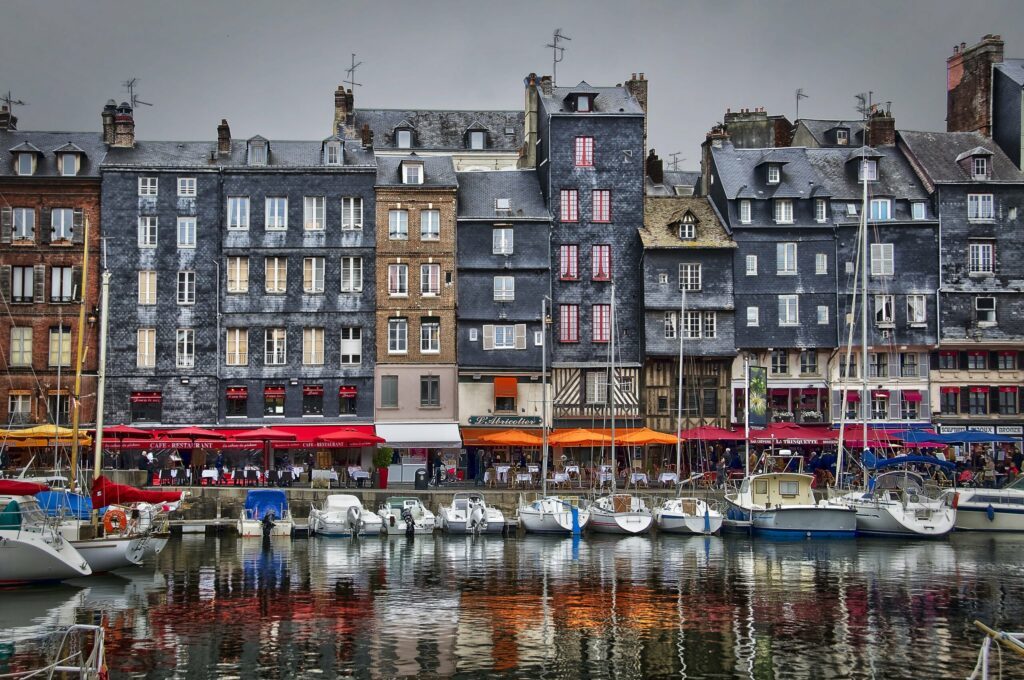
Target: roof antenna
{"x":675,"y":160}
{"x":799,"y":95}
{"x":133,"y":98}
{"x":351,"y":71}
{"x":11,"y":101}
{"x":557,"y":53}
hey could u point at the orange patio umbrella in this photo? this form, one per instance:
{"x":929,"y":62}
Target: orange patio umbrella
{"x":578,"y":437}
{"x":512,"y":438}
{"x":645,"y":436}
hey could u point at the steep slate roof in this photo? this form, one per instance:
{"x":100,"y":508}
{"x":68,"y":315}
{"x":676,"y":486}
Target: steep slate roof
{"x":838,"y":176}
{"x":47,"y":143}
{"x":937,"y":152}
{"x":438,"y":171}
{"x":740,"y":178}
{"x":283,"y":154}
{"x":661,"y":212}
{"x":1014,"y":68}
{"x":441,"y":130}
{"x":478,"y":190}
{"x":615,"y":100}
{"x":672,"y":179}
{"x":818,"y":127}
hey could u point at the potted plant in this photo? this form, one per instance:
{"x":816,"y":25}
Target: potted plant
{"x":381,"y":461}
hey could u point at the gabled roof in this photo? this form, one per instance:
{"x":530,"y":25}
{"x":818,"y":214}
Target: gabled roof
{"x":477,"y":125}
{"x":672,"y":179}
{"x":976,"y":151}
{"x":286,"y":154}
{"x":836,"y":179}
{"x":69,"y":147}
{"x":612,"y":100}
{"x":438,"y":171}
{"x":1014,"y":70}
{"x":441,"y":130}
{"x":662,"y":214}
{"x":479,"y":190}
{"x":862,"y":152}
{"x":771,"y":156}
{"x":26,"y":147}
{"x":818,"y":129}
{"x":737,"y":172}
{"x":91,"y":144}
{"x":936,"y":154}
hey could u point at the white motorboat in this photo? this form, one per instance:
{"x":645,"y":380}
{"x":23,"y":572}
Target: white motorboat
{"x":553,"y":514}
{"x":469,"y":513}
{"x":688,"y":516}
{"x":898,"y":506}
{"x":620,"y":513}
{"x":343,"y":514}
{"x":405,"y":515}
{"x":782,"y":504}
{"x":31,"y":547}
{"x":113,"y":550}
{"x":265,"y":513}
{"x":984,"y":509}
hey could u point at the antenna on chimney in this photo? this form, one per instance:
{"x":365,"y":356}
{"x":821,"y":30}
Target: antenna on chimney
{"x":675,"y":160}
{"x":557,"y":53}
{"x":133,"y":98}
{"x":11,"y":101}
{"x":351,"y":71}
{"x":864,"y":103}
{"x":799,"y":95}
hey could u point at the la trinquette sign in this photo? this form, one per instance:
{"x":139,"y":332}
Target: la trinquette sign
{"x":505,"y":421}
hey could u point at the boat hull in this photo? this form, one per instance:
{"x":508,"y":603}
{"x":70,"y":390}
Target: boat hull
{"x":889,"y":518}
{"x":674,"y":523}
{"x":495,"y":524}
{"x":976,"y":517}
{"x":253,"y":528}
{"x":622,"y":523}
{"x":108,"y":554}
{"x":339,"y":526}
{"x":28,"y":558}
{"x":541,"y":522}
{"x":800,"y":521}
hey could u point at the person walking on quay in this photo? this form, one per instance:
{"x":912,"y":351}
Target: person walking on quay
{"x":723,"y":471}
{"x":198,"y":464}
{"x":482,"y":465}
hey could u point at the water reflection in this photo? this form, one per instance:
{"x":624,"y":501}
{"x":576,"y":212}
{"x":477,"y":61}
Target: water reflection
{"x":539,"y":607}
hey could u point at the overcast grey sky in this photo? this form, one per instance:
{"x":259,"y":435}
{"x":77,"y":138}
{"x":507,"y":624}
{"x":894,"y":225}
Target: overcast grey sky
{"x":271,"y":67}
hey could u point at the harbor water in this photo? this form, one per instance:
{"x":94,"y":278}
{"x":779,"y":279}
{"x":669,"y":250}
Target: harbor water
{"x":534,"y":607}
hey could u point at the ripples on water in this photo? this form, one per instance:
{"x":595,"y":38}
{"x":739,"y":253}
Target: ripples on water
{"x":541,"y":608}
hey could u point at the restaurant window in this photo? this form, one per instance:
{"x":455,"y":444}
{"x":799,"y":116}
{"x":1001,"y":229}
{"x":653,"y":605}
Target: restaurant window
{"x":948,"y":361}
{"x":879,"y":406}
{"x":780,"y":362}
{"x":949,"y":401}
{"x":977,"y":361}
{"x":389,"y":391}
{"x":1008,"y":401}
{"x":1007,"y":361}
{"x":809,"y":362}
{"x":273,"y":400}
{"x":312,"y":400}
{"x":430,"y":391}
{"x":347,"y":399}
{"x":977,"y":401}
{"x":146,"y":407}
{"x":237,"y":402}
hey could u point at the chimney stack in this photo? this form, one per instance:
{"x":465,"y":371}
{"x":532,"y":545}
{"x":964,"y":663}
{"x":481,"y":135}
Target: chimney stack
{"x":531,"y":108}
{"x":8,"y":121}
{"x":344,"y":112}
{"x":546,"y":86}
{"x":367,"y":136}
{"x":969,"y":85}
{"x":124,"y":126}
{"x":655,"y":168}
{"x":223,"y":137}
{"x":637,"y":86}
{"x":881,"y":128}
{"x":107,"y":116}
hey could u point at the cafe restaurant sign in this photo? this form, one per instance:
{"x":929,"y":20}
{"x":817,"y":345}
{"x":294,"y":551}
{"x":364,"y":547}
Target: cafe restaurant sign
{"x":505,"y":421}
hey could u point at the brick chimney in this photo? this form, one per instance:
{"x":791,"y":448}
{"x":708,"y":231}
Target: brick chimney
{"x":344,"y":112}
{"x":715,"y":138}
{"x":655,"y":168}
{"x":223,"y":137}
{"x":124,"y":126}
{"x":107,"y":116}
{"x":366,"y":135}
{"x":969,"y":85}
{"x":531,"y":109}
{"x":637,"y":86}
{"x":8,"y":121}
{"x":546,"y":86}
{"x":881,"y":128}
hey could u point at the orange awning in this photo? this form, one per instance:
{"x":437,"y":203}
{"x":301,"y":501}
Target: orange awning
{"x":646,"y":436}
{"x":506,"y":386}
{"x":473,"y":436}
{"x":512,"y":438}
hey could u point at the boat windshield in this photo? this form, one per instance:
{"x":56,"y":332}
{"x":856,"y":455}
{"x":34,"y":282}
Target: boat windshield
{"x":899,"y":480}
{"x":1017,"y":484}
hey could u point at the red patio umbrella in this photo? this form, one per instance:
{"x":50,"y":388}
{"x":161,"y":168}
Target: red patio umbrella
{"x":712,"y":433}
{"x":352,"y":437}
{"x":265,"y":434}
{"x":123,"y":430}
{"x":194,"y":432}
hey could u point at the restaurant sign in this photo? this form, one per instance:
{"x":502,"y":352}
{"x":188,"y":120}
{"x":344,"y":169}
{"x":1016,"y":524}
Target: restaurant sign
{"x":1010,"y":429}
{"x":505,"y":421}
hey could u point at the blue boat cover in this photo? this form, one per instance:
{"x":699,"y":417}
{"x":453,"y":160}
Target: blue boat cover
{"x":904,"y":460}
{"x":71,"y":505}
{"x":973,"y":436}
{"x":917,"y":436}
{"x":259,"y":502}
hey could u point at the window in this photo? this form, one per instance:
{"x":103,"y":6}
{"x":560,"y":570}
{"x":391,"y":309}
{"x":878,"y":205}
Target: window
{"x":351,"y":274}
{"x":986,"y":309}
{"x":916,"y":309}
{"x":313,"y":275}
{"x":147,"y":186}
{"x":500,"y":337}
{"x":21,"y":346}
{"x":351,"y":214}
{"x":821,"y":263}
{"x":476,"y":139}
{"x":670,"y":325}
{"x":398,"y":279}
{"x":878,"y":366}
{"x":186,"y":288}
{"x":884,"y":315}
{"x":569,"y":205}
{"x":977,"y":361}
{"x":980,"y":207}
{"x":1008,"y":401}
{"x":783,"y":211}
{"x":949,"y":401}
{"x":403,"y":139}
{"x":351,"y":346}
{"x":412,"y":173}
{"x":58,"y":407}
{"x":238,"y":213}
{"x":601,"y":322}
{"x":977,"y":401}
{"x":257,"y":153}
{"x":398,"y":225}
{"x":745,"y":211}
{"x":980,"y":257}
{"x":584,"y":151}
{"x":751,"y":265}
{"x":430,"y":335}
{"x":789,"y":314}
{"x":145,"y":347}
{"x":185,"y":348}
{"x":62,"y":224}
{"x":68,"y":164}
{"x":752,"y":316}
{"x":430,"y":279}
{"x":882,"y":259}
{"x":238,"y":275}
{"x":430,"y":225}
{"x":663,"y":278}
{"x":398,"y":336}
{"x":710,"y":324}
{"x":820,"y":210}
{"x":868,"y":170}
{"x":842,"y":137}
{"x":503,"y":206}
{"x":186,"y":186}
{"x":312,"y":400}
{"x":689,"y":277}
{"x":851,"y":209}
{"x":237,"y":347}
{"x":568,"y":323}
{"x":22,"y":284}
{"x":538,"y":338}
{"x":948,"y":360}
{"x":504,"y":288}
{"x":881,"y":209}
{"x":597,"y":387}
{"x":822,"y":315}
{"x":186,"y":232}
{"x":785,"y":258}
{"x":1006,"y":361}
{"x":277,"y":213}
{"x":917,"y":210}
{"x":312,"y":346}
{"x":601,"y":261}
{"x":389,"y":391}
{"x":62,"y":285}
{"x":602,"y":205}
{"x":147,"y":232}
{"x":909,"y":410}
{"x":568,"y":262}
{"x":314,"y":209}
{"x":333,"y":154}
{"x":691,"y":325}
{"x":501,"y":241}
{"x":276,"y":274}
{"x":908,"y":365}
{"x":842,"y":366}
{"x":809,"y":362}
{"x":23,"y":224}
{"x":879,"y":405}
{"x":430,"y":391}
{"x":275,"y":345}
{"x":583,"y":103}
{"x":773,"y":174}
{"x":688,"y":227}
{"x":26,"y":163}
{"x":979,"y":167}
{"x":780,"y":362}
{"x":19,"y":408}
{"x":273,"y":400}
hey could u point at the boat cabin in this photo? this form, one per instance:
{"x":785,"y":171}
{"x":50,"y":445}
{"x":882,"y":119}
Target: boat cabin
{"x":779,"y":488}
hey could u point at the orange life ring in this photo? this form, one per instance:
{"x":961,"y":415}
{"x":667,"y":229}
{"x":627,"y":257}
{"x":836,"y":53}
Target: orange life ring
{"x":115,"y":521}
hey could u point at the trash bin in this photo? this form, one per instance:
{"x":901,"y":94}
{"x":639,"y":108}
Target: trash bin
{"x":420,"y":482}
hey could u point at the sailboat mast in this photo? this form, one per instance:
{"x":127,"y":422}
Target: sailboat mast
{"x":101,"y":376}
{"x":76,"y":397}
{"x":864,"y":301}
{"x":544,"y":399}
{"x":679,"y":391}
{"x":746,"y":416}
{"x":611,"y":363}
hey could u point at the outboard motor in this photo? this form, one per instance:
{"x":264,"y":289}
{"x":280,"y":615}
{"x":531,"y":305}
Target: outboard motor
{"x":268,"y":523}
{"x":355,"y":519}
{"x":477,"y":520}
{"x":410,"y":523}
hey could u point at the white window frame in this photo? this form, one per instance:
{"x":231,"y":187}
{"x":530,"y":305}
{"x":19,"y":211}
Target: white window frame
{"x":187,"y":228}
{"x":333,"y":154}
{"x":745,"y":211}
{"x":917,"y":209}
{"x":236,"y":347}
{"x":774,"y":173}
{"x":186,"y":290}
{"x":979,"y":167}
{"x":187,"y":187}
{"x":398,"y":336}
{"x":783,"y":211}
{"x":275,"y":274}
{"x":430,"y":279}
{"x":822,"y":315}
{"x":148,"y":231}
{"x":786,"y":258}
{"x":62,"y":224}
{"x":23,"y":224}
{"x":314,"y":213}
{"x":709,"y":326}
{"x":883,"y":262}
{"x":596,"y":387}
{"x":691,"y":325}
{"x":820,"y":210}
{"x":62,"y":287}
{"x":351,"y":346}
{"x":671,"y":325}
{"x":821,"y":263}
{"x":477,"y":140}
{"x":751,"y":262}
{"x":881,"y":210}
{"x":147,"y":287}
{"x":504,"y":336}
{"x":351,"y":213}
{"x":885,"y":311}
{"x":149,"y":186}
{"x":403,"y":139}
{"x":275,"y":213}
{"x":68,"y":164}
{"x":690,"y":276}
{"x":28,"y":159}
{"x":412,"y":173}
{"x":238,"y":213}
{"x":398,"y":224}
{"x":787,"y":304}
{"x":313,"y":346}
{"x":981,"y":258}
{"x":351,"y":274}
{"x":275,"y":346}
{"x":502,"y":241}
{"x":237,"y":274}
{"x":21,"y":346}
{"x":504,"y":288}
{"x":398,"y":280}
{"x":753,"y":316}
{"x":145,"y":348}
{"x":990,"y":313}
{"x":60,"y":346}
{"x":917,"y":309}
{"x":430,"y":337}
{"x":430,"y":225}
{"x":867,"y":167}
{"x":23,"y":279}
{"x":842,"y":137}
{"x":185,"y":348}
{"x":314,"y":270}
{"x":980,"y":207}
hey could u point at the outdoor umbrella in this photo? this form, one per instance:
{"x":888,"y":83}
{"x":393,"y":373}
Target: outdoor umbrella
{"x":711,"y":433}
{"x":972,"y":437}
{"x":194,"y":433}
{"x":645,"y":436}
{"x":578,"y":437}
{"x":512,"y":438}
{"x":123,"y":430}
{"x":265,"y":434}
{"x":351,"y":437}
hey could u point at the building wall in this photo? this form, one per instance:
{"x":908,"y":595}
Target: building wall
{"x":476,"y":399}
{"x":702,"y":377}
{"x":1008,"y":116}
{"x":969,"y":86}
{"x":409,"y":404}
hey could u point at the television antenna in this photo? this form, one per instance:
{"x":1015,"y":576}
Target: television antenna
{"x":557,"y":53}
{"x":351,"y":72}
{"x":133,"y":98}
{"x":10,"y":101}
{"x":675,"y":159}
{"x":864,"y":103}
{"x":799,"y":95}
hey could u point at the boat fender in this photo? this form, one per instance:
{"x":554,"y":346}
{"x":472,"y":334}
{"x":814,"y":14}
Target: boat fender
{"x":990,"y":512}
{"x":914,"y":498}
{"x":707,"y":521}
{"x":114,"y":521}
{"x":956,"y":499}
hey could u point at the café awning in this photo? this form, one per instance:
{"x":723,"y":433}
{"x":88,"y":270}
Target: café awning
{"x":506,"y":386}
{"x":420,"y":435}
{"x":911,"y":396}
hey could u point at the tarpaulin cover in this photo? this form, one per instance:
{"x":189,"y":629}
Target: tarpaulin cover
{"x":105,"y":492}
{"x":258,"y":502}
{"x":65,"y":503}
{"x":905,"y":460}
{"x":13,"y":487}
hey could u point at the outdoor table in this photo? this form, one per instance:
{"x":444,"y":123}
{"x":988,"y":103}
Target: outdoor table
{"x":210,"y":474}
{"x":639,"y":477}
{"x":524,"y":477}
{"x":604,"y":477}
{"x":502,"y":471}
{"x":359,"y":475}
{"x":667,"y":478}
{"x":533,"y":469}
{"x":561,"y":478}
{"x":569,"y":469}
{"x":329,"y":475}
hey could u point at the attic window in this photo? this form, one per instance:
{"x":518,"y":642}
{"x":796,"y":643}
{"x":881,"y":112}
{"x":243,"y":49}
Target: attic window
{"x":583,"y":103}
{"x":773,"y":174}
{"x":403,"y":139}
{"x":68,"y":164}
{"x":842,"y":136}
{"x":257,"y":153}
{"x":476,"y":139}
{"x":332,"y":153}
{"x":688,"y":227}
{"x":979,"y":167}
{"x":26,"y":163}
{"x":412,"y":173}
{"x":502,"y":206}
{"x":868,"y":170}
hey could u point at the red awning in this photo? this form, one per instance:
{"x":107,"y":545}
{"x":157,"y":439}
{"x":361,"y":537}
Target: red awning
{"x":310,"y":436}
{"x":949,"y":389}
{"x":273,"y":391}
{"x":853,"y":396}
{"x":238,"y":393}
{"x":911,"y":396}
{"x":146,"y":397}
{"x":506,"y":386}
{"x":977,"y":353}
{"x":313,"y":390}
{"x":979,"y":389}
{"x":1007,"y":353}
{"x":1007,"y":388}
{"x":810,"y":392}
{"x":947,"y":352}
{"x":347,"y":391}
{"x":880,"y":394}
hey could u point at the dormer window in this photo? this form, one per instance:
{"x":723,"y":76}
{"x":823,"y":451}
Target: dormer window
{"x":868,"y":170}
{"x":332,"y":153}
{"x":257,"y":152}
{"x":773,"y":174}
{"x":502,"y":206}
{"x":476,"y":139}
{"x":583,"y":103}
{"x":688,"y":227}
{"x":68,"y":164}
{"x":842,"y":136}
{"x":403,"y":139}
{"x":979,"y":167}
{"x":412,"y":173}
{"x":26,"y":164}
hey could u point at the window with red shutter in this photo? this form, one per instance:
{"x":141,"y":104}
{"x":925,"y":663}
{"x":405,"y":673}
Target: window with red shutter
{"x":570,"y":210}
{"x":568,"y":269}
{"x":601,"y":257}
{"x":602,"y":322}
{"x":584,"y":151}
{"x":602,"y":199}
{"x":569,"y":323}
